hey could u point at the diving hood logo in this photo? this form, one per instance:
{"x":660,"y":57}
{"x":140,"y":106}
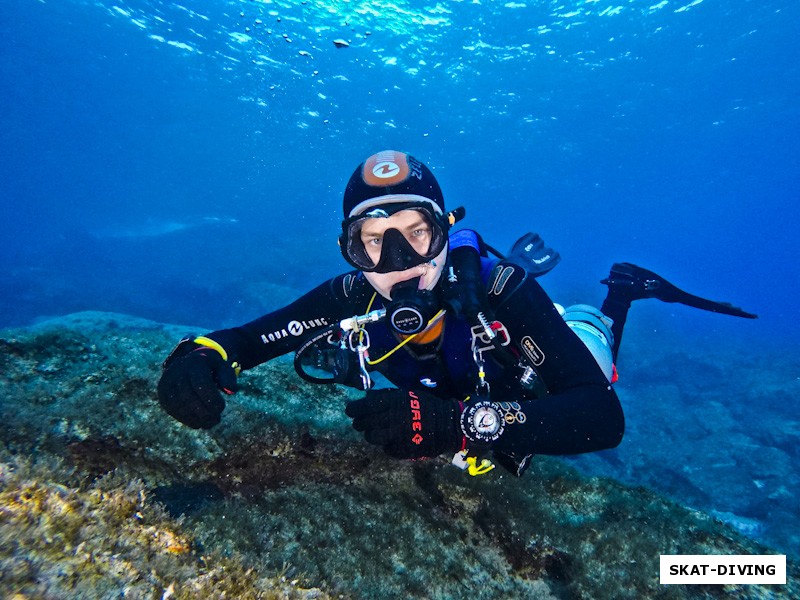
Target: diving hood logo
{"x":386,"y":168}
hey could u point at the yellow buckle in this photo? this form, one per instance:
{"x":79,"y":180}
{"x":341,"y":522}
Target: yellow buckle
{"x":463,"y":461}
{"x":475,"y":469}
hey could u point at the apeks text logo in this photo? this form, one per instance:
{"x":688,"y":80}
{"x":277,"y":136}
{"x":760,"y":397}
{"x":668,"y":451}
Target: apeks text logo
{"x":293,"y":328}
{"x":532,"y":351}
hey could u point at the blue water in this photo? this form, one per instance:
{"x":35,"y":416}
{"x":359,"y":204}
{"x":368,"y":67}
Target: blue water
{"x":660,"y":133}
{"x":185,"y":162}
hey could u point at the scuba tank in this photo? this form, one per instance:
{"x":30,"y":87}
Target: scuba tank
{"x":594,"y":330}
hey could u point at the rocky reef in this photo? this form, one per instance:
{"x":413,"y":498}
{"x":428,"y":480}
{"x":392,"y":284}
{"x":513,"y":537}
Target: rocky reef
{"x":712,"y":422}
{"x":102,"y":495}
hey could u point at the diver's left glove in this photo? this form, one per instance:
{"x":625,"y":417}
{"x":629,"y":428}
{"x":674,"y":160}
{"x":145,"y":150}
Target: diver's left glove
{"x":408,"y":424}
{"x":193,"y":375}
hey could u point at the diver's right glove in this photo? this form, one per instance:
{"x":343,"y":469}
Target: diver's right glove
{"x":193,"y":375}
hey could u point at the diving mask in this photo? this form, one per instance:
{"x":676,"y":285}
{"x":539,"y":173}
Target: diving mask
{"x":397,"y":253}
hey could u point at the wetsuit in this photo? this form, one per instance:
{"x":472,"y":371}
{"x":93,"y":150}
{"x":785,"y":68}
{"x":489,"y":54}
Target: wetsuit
{"x":574,"y":409}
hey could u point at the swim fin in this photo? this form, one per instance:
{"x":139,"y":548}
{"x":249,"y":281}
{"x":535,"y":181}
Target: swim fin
{"x":634,"y":283}
{"x":530,"y":253}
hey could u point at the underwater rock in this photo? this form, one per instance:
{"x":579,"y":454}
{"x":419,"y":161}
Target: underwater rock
{"x":186,"y":498}
{"x":286,"y":492}
{"x":108,"y":540}
{"x":715,"y":427}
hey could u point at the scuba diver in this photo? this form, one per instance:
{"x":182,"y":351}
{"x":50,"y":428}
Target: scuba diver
{"x":483,"y":365}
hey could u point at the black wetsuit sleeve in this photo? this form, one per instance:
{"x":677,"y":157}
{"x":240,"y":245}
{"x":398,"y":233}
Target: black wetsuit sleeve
{"x":285,"y":329}
{"x":580,"y":411}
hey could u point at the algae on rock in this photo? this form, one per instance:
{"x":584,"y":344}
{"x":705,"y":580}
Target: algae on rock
{"x":284,"y":491}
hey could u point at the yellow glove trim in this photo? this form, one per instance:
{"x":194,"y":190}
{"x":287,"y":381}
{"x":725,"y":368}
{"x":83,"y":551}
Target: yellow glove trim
{"x":209,"y":343}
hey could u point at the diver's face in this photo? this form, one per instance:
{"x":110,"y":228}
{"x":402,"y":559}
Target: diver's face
{"x":416,"y":229}
{"x":412,"y":224}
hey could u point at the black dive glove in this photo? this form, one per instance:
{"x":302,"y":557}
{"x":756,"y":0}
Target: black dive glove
{"x":190,"y":384}
{"x":408,"y":424}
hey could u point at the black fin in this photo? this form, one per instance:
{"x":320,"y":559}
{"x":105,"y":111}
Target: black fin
{"x":530,"y":253}
{"x":634,"y":283}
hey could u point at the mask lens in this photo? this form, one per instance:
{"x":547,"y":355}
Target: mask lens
{"x":356,"y":252}
{"x":357,"y":255}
